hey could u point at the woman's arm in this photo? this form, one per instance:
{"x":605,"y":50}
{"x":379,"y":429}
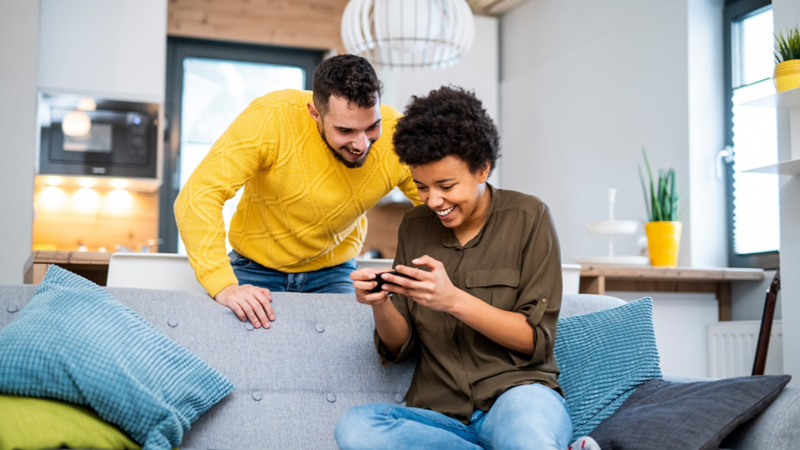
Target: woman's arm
{"x":389,"y":323}
{"x":509,"y":329}
{"x":391,"y":326}
{"x":435,"y":290}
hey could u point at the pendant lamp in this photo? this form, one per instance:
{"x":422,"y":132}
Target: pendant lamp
{"x":408,"y":34}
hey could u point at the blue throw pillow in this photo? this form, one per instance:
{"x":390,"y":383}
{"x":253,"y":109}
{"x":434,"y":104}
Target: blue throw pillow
{"x":74,"y":342}
{"x":604,"y":357}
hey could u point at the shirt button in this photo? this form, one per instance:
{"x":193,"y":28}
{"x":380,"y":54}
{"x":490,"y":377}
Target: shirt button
{"x":320,"y":328}
{"x":172,"y":322}
{"x":12,"y":308}
{"x":249,"y":326}
{"x":398,"y":398}
{"x":544,"y":300}
{"x":330,"y":397}
{"x":257,"y":396}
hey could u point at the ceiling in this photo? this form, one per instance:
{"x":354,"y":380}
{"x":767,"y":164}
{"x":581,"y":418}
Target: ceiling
{"x":492,"y":7}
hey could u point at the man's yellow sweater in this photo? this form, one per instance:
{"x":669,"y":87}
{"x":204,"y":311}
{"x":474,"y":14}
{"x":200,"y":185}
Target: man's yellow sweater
{"x":301,"y":210}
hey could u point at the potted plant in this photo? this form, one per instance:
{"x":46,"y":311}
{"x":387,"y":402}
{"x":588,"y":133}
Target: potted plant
{"x":662,"y":228}
{"x":787,"y":60}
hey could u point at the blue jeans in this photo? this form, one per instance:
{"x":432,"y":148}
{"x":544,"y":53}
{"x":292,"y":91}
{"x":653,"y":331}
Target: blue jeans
{"x":330,"y":280}
{"x":524,"y":417}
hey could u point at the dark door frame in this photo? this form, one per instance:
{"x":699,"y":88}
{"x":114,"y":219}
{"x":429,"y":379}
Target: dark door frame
{"x":179,"y":49}
{"x":736,"y":10}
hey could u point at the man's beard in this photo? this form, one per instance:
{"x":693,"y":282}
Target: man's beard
{"x":340,"y":158}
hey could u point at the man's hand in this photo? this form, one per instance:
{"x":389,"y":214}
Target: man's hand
{"x":363,"y":281}
{"x":432,"y":289}
{"x":248,"y":302}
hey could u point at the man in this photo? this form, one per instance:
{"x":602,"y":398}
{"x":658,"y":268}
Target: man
{"x":311,"y":166}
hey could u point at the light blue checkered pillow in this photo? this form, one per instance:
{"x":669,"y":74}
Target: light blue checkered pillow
{"x":604,"y":356}
{"x":75,"y":342}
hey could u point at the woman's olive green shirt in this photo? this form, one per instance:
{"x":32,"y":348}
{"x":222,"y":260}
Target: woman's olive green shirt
{"x":513,"y":264}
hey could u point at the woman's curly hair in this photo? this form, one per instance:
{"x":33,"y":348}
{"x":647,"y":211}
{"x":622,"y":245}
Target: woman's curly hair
{"x":448,"y":121}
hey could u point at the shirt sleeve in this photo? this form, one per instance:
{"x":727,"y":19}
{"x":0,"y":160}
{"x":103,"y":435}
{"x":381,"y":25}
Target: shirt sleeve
{"x":248,"y":145}
{"x":401,"y":302}
{"x":539,"y":298}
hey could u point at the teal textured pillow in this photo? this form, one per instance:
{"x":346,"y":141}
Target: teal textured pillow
{"x":74,"y":342}
{"x":604,"y":357}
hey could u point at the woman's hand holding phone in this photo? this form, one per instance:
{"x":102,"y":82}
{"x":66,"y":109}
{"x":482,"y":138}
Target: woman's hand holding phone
{"x":364,"y":280}
{"x":432,"y":289}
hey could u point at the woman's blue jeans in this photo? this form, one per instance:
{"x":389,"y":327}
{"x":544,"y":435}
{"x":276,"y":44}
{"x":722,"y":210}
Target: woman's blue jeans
{"x":330,"y":280}
{"x":524,"y":417}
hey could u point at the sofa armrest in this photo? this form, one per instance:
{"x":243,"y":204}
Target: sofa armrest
{"x":775,"y":428}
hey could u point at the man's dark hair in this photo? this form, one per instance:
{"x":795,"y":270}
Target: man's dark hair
{"x":348,"y":76}
{"x":448,"y":121}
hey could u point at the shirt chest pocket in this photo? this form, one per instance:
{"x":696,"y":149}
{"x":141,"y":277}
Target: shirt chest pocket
{"x":497,"y":287}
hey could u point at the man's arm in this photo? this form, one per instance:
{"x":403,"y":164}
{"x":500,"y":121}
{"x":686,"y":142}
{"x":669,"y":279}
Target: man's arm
{"x":246,"y":146}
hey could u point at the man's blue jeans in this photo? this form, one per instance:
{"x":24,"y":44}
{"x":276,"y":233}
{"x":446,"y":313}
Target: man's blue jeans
{"x":524,"y":417}
{"x":330,"y":280}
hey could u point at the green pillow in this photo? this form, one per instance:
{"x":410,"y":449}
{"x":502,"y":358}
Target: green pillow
{"x":34,"y":423}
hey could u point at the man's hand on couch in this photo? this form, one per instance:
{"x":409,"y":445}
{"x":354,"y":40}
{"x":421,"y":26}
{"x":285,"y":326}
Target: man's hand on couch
{"x":248,"y":302}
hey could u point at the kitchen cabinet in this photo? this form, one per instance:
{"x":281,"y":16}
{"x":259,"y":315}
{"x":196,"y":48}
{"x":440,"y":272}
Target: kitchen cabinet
{"x":109,"y":49}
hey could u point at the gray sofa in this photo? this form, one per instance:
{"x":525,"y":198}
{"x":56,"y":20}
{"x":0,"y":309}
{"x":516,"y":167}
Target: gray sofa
{"x":294,"y":380}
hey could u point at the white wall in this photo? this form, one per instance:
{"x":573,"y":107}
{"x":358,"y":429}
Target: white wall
{"x":584,"y":85}
{"x":680,"y":322}
{"x":478,"y":70}
{"x":747,"y":298}
{"x":19,"y":35}
{"x":709,"y":243}
{"x":786,"y":14}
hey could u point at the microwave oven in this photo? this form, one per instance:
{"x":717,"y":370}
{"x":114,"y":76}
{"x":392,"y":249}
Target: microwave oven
{"x":85,"y":136}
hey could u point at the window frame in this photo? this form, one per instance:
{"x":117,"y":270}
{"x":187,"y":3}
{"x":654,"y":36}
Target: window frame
{"x":178,"y":49}
{"x":735,"y":10}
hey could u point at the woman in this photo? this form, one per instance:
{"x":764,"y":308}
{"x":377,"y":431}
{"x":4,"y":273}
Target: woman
{"x":483,"y":303}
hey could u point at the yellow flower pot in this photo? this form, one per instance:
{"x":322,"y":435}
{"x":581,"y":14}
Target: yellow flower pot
{"x":663,"y":241}
{"x":787,"y":75}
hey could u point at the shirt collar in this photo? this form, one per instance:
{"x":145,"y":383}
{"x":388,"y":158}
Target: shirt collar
{"x":449,"y":239}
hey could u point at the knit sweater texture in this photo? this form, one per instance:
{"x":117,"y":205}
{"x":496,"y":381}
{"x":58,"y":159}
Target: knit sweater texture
{"x":301,"y":210}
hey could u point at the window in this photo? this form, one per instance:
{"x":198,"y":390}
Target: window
{"x":208,"y":85}
{"x":753,"y":199}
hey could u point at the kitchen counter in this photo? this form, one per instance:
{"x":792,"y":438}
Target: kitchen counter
{"x":90,"y":265}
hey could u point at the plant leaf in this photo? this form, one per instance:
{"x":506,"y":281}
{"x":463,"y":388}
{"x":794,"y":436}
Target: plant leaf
{"x":644,"y":191}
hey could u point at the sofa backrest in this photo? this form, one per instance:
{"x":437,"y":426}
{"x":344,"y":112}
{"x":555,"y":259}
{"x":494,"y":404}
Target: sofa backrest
{"x":292,"y":381}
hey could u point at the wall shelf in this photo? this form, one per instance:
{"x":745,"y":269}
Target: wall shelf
{"x":788,"y":101}
{"x":785,"y":168}
{"x":781,"y":100}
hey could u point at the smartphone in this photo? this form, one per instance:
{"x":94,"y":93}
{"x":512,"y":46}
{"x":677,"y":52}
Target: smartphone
{"x":381,"y":281}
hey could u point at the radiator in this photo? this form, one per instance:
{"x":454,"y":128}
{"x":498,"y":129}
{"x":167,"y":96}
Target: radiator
{"x":732,"y":348}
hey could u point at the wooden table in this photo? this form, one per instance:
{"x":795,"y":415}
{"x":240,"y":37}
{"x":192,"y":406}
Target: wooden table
{"x":599,"y":279}
{"x":90,"y":265}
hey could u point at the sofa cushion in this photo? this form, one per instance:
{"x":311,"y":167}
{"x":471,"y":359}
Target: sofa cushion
{"x":666,"y":415}
{"x":75,"y":342}
{"x":573,"y":305}
{"x":603,"y":357}
{"x":68,"y":425}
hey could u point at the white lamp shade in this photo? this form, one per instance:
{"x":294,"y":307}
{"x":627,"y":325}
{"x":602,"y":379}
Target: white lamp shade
{"x":408,"y":33}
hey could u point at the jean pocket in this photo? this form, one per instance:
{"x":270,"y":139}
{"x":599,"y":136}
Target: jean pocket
{"x":238,"y":260}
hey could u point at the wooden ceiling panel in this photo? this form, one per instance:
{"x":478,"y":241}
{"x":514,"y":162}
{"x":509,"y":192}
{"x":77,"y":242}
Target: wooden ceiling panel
{"x":295,"y":23}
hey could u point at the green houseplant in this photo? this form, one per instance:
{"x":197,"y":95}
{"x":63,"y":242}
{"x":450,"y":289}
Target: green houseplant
{"x":663,"y":228}
{"x":787,"y":60}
